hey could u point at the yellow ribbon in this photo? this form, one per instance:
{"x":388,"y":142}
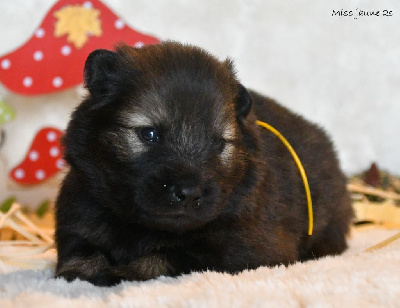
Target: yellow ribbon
{"x":301,"y":169}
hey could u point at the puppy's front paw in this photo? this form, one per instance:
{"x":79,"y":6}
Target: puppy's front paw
{"x":94,"y":269}
{"x":106,"y":278}
{"x":70,"y":275}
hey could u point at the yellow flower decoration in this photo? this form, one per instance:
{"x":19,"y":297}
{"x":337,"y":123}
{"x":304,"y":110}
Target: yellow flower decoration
{"x":78,"y":22}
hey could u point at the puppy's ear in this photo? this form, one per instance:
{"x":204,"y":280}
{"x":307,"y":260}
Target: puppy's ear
{"x":101,"y":71}
{"x":243,"y":98}
{"x":243,"y":102}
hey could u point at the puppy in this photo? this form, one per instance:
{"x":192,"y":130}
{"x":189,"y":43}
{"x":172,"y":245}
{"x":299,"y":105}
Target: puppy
{"x":170,"y":174}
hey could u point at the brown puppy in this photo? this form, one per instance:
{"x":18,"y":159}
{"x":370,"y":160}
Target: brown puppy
{"x":170,"y":174}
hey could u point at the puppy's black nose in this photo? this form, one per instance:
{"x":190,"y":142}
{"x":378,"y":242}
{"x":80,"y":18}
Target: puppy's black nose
{"x":187,"y":194}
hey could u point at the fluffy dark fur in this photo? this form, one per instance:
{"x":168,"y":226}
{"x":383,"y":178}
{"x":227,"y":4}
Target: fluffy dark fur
{"x":169,"y":173}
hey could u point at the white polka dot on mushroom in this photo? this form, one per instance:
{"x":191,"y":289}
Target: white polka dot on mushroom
{"x":38,"y":55}
{"x":57,"y":82}
{"x":54,"y":151}
{"x":27,"y":81}
{"x":40,"y":174}
{"x":19,"y":174}
{"x":5,"y":64}
{"x":87,"y":5}
{"x":33,"y":155}
{"x":66,"y":50}
{"x":139,"y":44}
{"x":51,"y":136}
{"x":39,"y":33}
{"x":119,"y":24}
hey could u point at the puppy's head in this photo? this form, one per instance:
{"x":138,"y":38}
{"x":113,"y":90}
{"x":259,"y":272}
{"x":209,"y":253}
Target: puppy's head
{"x":164,"y":128}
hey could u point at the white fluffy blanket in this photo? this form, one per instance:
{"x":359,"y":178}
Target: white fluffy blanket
{"x":354,"y":279}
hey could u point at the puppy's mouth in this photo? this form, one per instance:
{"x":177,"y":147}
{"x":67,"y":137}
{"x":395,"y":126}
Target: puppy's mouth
{"x":173,"y":215}
{"x":176,"y":221}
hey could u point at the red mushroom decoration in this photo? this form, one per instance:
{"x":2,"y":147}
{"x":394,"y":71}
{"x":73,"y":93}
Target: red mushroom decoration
{"x":53,"y":58}
{"x":43,"y":160}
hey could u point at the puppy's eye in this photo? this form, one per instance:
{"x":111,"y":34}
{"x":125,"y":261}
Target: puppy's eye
{"x":149,"y":134}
